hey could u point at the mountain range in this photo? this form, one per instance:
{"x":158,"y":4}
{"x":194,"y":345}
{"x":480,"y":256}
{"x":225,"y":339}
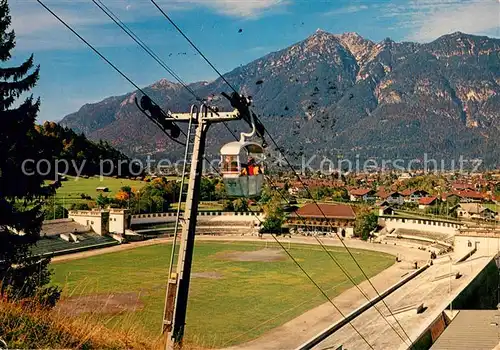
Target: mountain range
{"x":338,"y":95}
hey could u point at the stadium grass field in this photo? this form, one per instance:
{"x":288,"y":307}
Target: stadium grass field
{"x":230,"y":302}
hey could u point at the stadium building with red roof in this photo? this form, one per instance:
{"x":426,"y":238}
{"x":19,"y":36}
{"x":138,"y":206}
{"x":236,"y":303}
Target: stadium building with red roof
{"x":323,"y":218}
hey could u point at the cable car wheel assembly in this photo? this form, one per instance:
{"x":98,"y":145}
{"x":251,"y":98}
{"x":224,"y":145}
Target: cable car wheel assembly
{"x":242,"y":162}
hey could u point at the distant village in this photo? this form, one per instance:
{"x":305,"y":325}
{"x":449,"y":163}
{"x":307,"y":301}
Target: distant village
{"x":461,"y":196}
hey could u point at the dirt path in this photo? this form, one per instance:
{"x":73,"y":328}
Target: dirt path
{"x":404,"y":252}
{"x":113,"y":249}
{"x":262,"y":255}
{"x":112,"y":303}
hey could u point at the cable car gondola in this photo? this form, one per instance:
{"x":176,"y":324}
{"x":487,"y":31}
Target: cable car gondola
{"x":242,"y":168}
{"x":242,"y":165}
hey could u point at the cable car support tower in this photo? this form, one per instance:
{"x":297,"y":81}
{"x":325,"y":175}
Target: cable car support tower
{"x":199,"y":120}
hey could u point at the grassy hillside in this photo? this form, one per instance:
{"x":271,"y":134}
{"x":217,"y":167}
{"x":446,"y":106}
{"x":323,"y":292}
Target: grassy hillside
{"x":26,"y":328}
{"x":71,"y":189}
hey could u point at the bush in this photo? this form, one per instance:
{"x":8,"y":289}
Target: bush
{"x":240,"y":205}
{"x":228,"y":205}
{"x":79,"y":206}
{"x":28,"y":281}
{"x":272,"y":225}
{"x":48,"y":297}
{"x":366,"y":222}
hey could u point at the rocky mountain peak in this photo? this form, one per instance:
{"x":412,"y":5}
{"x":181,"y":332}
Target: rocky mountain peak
{"x":345,"y":93}
{"x":457,"y":34}
{"x":460,"y":44}
{"x":351,"y":35}
{"x":320,"y":34}
{"x":164,"y":84}
{"x":320,"y":45}
{"x":360,"y":47}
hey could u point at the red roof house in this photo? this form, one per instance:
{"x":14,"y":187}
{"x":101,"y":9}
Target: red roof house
{"x":427,"y":202}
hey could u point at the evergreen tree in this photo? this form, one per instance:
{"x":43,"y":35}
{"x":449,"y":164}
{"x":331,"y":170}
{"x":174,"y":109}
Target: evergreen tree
{"x":21,"y":195}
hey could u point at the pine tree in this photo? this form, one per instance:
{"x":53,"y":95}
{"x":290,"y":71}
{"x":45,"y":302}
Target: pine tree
{"x":21,"y":195}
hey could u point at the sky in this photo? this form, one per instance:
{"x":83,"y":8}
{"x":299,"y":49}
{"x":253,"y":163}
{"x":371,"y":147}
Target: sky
{"x":229,"y":32}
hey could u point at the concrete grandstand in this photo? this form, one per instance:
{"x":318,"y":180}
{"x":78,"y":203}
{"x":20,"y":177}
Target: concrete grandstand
{"x":66,"y":236}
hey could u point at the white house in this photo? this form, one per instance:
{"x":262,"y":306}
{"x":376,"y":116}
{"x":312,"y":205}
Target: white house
{"x":392,"y":198}
{"x":362,"y":195}
{"x":427,"y":202}
{"x":475,"y":211}
{"x":413,"y":196}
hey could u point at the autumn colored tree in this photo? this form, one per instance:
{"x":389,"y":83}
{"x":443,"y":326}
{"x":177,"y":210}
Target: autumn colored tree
{"x":122,"y":196}
{"x":220,"y":190}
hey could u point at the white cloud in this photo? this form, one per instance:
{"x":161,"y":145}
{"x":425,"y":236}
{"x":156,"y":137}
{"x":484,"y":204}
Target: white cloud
{"x":429,"y":19}
{"x":29,"y":16}
{"x":37,"y":29}
{"x":345,"y":10}
{"x":238,"y":8}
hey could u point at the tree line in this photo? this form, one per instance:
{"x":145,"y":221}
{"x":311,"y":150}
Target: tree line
{"x":85,"y":156}
{"x":155,"y":197}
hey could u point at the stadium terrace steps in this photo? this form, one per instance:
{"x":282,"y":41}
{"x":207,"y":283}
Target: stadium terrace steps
{"x":62,"y":226}
{"x":422,"y":239}
{"x":53,"y":245}
{"x":435,"y":236}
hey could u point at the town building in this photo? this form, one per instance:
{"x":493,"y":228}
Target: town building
{"x":386,"y":210}
{"x":427,"y":202}
{"x":413,"y":196}
{"x":471,"y":329}
{"x":362,"y":195}
{"x":103,"y":222}
{"x":323,"y":218}
{"x":451,"y":198}
{"x":471,"y":196}
{"x":475,"y":211}
{"x":404,"y":176}
{"x":461,"y":186}
{"x":393,"y":198}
